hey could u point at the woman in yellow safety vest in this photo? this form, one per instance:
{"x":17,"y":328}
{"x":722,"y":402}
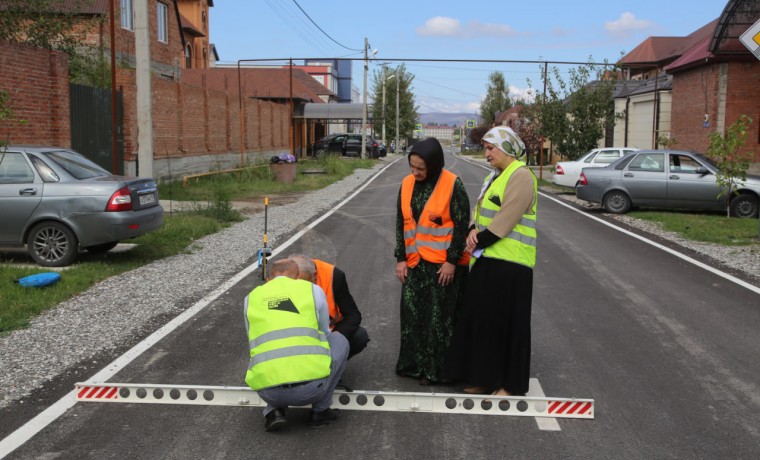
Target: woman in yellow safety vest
{"x":431,"y":230}
{"x":490,"y":350}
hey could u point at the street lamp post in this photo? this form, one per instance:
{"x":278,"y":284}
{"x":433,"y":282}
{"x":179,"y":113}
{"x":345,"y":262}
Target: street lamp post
{"x":398,"y":79}
{"x":384,"y":80}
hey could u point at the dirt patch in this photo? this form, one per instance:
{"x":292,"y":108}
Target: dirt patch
{"x":255,"y":204}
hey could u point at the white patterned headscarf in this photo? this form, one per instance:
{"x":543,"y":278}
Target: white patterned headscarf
{"x":505,"y":140}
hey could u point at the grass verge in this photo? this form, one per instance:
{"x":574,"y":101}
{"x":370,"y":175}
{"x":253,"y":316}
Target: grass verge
{"x":18,"y":305}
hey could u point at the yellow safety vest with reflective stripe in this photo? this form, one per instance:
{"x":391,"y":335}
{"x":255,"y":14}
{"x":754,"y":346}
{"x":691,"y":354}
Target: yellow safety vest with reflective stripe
{"x":520,"y":245}
{"x":284,"y":339}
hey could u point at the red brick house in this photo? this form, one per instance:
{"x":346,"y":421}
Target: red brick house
{"x":706,"y":81}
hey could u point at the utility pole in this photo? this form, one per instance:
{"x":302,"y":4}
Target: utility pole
{"x":384,"y":103}
{"x":364,"y":99}
{"x":398,"y":79}
{"x":142,"y":79}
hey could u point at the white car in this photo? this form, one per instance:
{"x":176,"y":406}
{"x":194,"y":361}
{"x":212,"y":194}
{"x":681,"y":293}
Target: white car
{"x":567,"y":173}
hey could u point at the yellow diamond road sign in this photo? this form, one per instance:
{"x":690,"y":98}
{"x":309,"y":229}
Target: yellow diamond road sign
{"x":751,"y":39}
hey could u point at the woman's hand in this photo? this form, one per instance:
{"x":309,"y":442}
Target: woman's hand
{"x":401,"y":271}
{"x":472,"y":241}
{"x":446,"y":274}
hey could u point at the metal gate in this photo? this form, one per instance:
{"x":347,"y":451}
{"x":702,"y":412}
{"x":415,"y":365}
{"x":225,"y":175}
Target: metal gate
{"x":90,"y":109}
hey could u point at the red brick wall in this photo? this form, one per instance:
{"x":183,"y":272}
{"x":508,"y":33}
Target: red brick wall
{"x":695,"y":93}
{"x":37,"y":82}
{"x":192,"y":120}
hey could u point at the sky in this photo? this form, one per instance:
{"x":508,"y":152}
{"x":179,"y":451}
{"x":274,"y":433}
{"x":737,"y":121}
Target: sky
{"x":540,"y":30}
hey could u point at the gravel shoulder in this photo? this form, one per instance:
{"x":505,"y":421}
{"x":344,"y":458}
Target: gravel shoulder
{"x":89,"y":330}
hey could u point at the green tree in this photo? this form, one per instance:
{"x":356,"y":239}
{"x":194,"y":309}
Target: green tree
{"x":408,"y":111}
{"x":497,"y":98}
{"x":60,"y":26}
{"x":732,"y":162}
{"x":575,"y":113}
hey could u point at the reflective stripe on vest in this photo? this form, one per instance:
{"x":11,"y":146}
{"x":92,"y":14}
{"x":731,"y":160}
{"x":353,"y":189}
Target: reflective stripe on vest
{"x":431,"y":237}
{"x":519,"y":245}
{"x":325,"y":281}
{"x":286,"y":345}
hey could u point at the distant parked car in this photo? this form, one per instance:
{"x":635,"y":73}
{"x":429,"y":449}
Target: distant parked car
{"x":382,"y":150}
{"x":344,"y":144}
{"x":57,"y":202}
{"x":665,"y":179}
{"x":567,"y":173}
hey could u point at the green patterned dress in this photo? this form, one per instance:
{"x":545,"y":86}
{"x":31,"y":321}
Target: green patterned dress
{"x":427,"y":308}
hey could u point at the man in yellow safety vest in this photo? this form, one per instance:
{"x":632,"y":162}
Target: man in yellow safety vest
{"x":295,"y":360}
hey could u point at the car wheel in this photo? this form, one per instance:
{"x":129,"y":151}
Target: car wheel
{"x":52,"y":244}
{"x":320,"y":153}
{"x":101,"y":248}
{"x":744,"y":205}
{"x":616,"y":202}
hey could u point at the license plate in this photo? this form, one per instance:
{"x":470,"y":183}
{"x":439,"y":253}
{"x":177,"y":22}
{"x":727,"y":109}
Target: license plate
{"x":147,"y":199}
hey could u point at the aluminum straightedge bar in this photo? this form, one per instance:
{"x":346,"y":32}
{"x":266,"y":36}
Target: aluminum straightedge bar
{"x":444,"y":403}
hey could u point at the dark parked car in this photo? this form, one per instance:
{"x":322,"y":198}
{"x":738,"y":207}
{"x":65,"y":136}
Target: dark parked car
{"x":345,"y":144}
{"x":56,"y":202}
{"x":665,"y":179}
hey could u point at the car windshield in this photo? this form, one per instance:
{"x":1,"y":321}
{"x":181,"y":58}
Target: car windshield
{"x":76,"y":165}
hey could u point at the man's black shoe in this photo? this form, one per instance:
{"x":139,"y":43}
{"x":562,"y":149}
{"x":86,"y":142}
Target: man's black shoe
{"x":317,"y":419}
{"x":275,"y":420}
{"x":344,"y":386}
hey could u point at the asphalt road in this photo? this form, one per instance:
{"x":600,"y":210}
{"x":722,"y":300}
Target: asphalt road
{"x":667,"y":350}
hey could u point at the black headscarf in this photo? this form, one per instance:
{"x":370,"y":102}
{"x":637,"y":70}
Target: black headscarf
{"x":431,"y":152}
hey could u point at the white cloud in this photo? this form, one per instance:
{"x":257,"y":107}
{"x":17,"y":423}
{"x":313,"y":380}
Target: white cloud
{"x":627,"y":24}
{"x":523,"y":94}
{"x":441,"y":26}
{"x":491,"y":30}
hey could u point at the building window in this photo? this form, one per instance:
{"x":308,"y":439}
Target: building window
{"x":205,"y":59}
{"x":126,"y":14}
{"x":161,"y":22}
{"x":203,"y":21}
{"x":189,"y":56}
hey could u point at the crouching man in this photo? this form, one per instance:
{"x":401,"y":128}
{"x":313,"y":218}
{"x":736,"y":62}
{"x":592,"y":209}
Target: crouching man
{"x":295,"y":360}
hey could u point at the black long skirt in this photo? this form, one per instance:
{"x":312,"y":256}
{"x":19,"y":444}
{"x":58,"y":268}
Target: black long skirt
{"x":491,"y":342}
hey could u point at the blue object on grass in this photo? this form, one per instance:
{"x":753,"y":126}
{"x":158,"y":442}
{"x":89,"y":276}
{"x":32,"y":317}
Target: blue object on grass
{"x":39,"y":280}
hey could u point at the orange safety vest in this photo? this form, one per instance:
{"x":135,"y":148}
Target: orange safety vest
{"x":325,"y":281}
{"x":432,"y":236}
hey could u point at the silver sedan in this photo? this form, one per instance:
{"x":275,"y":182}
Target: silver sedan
{"x":57,"y":202}
{"x":666,"y":179}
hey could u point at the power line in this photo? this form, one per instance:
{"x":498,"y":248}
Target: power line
{"x":320,"y":29}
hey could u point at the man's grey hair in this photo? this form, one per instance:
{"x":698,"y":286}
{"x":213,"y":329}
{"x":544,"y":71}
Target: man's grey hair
{"x":306,"y":267}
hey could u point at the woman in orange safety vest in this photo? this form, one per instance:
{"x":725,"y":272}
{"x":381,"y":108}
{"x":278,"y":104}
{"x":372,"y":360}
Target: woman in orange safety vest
{"x":432,"y":218}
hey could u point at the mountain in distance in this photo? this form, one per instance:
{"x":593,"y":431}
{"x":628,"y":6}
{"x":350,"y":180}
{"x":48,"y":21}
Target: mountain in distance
{"x":443,"y":118}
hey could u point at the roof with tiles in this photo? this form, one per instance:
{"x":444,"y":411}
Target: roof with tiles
{"x":262,"y":83}
{"x":659,"y":51}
